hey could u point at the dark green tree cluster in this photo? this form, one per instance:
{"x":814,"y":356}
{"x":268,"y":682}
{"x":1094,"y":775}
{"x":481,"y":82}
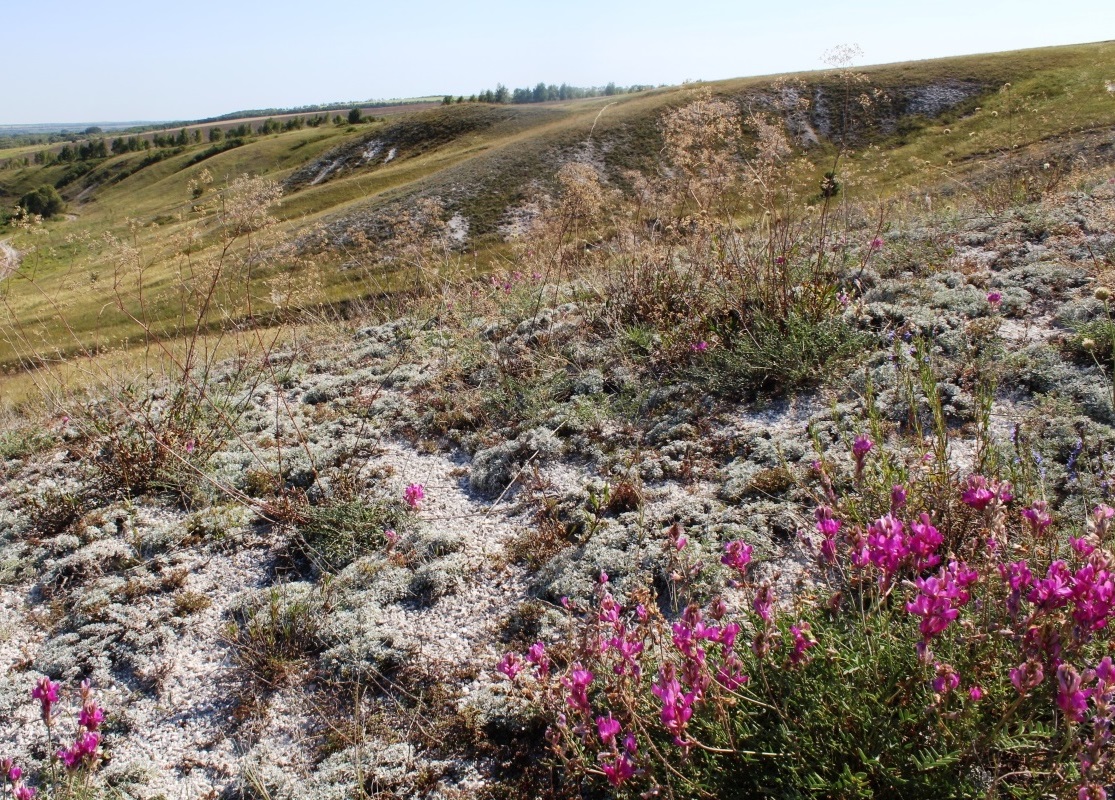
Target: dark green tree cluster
{"x":85,"y":151}
{"x":544,"y":93}
{"x":133,"y":144}
{"x":44,"y":201}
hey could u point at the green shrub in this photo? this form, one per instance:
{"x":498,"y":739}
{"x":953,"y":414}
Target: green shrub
{"x":44,"y":201}
{"x":334,"y":534}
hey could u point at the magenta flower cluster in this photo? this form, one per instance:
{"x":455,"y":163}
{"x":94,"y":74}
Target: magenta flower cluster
{"x":414,"y":494}
{"x":701,"y":665}
{"x":81,"y":756}
{"x":13,"y":777}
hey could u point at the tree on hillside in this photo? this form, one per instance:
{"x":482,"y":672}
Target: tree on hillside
{"x":502,"y":94}
{"x":216,"y":134}
{"x":44,"y":201}
{"x":354,"y":116}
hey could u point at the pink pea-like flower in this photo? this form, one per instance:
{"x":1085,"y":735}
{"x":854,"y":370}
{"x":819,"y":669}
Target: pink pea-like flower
{"x":511,"y":665}
{"x":1038,"y":516}
{"x":607,"y":727}
{"x":994,"y":298}
{"x":1027,"y":676}
{"x":975,"y":694}
{"x":1072,"y":699}
{"x":946,"y":679}
{"x":24,"y":792}
{"x":699,"y":347}
{"x":862,"y":446}
{"x":91,"y":716}
{"x":803,"y":640}
{"x":877,"y":243}
{"x":618,"y":770}
{"x":46,"y":692}
{"x":414,"y":494}
{"x":737,"y":555}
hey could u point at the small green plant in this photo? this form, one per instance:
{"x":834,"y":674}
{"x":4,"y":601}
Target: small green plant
{"x":273,"y":636}
{"x":333,"y":534}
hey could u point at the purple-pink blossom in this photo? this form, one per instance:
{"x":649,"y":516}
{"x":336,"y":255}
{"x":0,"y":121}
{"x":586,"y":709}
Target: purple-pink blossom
{"x":946,"y":678}
{"x":737,"y":555}
{"x":1027,"y":676}
{"x":414,"y":494}
{"x":577,"y":682}
{"x":82,"y":752}
{"x":607,"y":727}
{"x":46,"y":692}
{"x":828,"y":526}
{"x":536,"y":655}
{"x":1072,"y":699}
{"x":1038,"y":516}
{"x":802,"y":640}
{"x":510,"y":665}
{"x":980,"y":493}
{"x":617,"y":768}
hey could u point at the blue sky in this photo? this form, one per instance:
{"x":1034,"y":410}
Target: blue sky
{"x":78,"y":61}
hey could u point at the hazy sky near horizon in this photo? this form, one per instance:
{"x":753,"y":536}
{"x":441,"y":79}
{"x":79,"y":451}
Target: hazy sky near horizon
{"x":77,"y":61}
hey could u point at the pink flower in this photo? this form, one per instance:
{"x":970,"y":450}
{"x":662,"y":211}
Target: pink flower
{"x":83,"y":751}
{"x":946,"y":679}
{"x":677,"y":706}
{"x":619,"y":769}
{"x":803,"y":640}
{"x":1027,"y":676}
{"x":607,"y":728}
{"x":877,"y":243}
{"x":414,"y":494}
{"x":737,"y":555}
{"x":536,"y":655}
{"x":977,"y":495}
{"x":861,"y":446}
{"x":1071,"y":697}
{"x":91,"y":716}
{"x":1038,"y":516}
{"x":886,"y":545}
{"x":828,"y":526}
{"x":577,"y":682}
{"x":975,"y":693}
{"x":994,"y":298}
{"x":897,"y":497}
{"x":510,"y":665}
{"x":764,"y":602}
{"x":46,"y":692}
{"x":1054,"y":590}
{"x":699,"y":347}
{"x":940,"y":598}
{"x":923,"y":543}
{"x":23,"y":792}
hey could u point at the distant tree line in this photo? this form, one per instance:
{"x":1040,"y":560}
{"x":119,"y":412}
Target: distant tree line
{"x":543,"y":93}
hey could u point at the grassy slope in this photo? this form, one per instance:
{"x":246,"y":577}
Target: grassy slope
{"x":487,"y":167}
